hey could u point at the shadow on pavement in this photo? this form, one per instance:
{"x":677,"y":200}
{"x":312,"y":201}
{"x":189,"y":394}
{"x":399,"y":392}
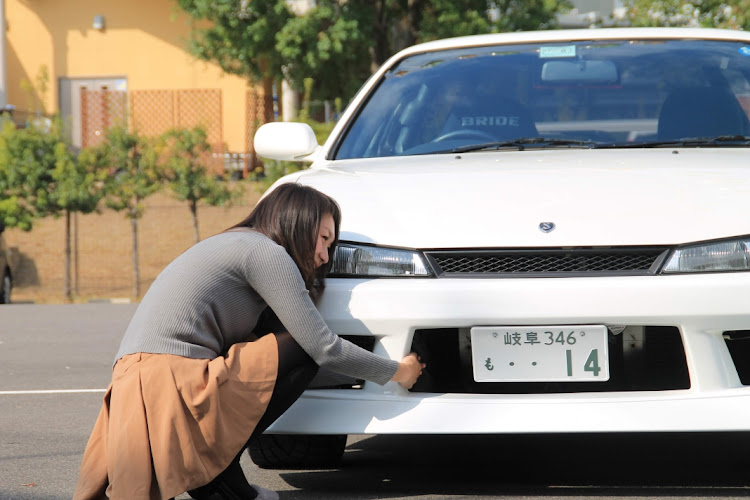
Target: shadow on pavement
{"x":627,"y":465}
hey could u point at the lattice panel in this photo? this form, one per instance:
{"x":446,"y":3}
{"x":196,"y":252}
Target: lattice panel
{"x":258,"y":113}
{"x":100,"y":110}
{"x":203,"y":107}
{"x":200,"y":107}
{"x":153,"y":111}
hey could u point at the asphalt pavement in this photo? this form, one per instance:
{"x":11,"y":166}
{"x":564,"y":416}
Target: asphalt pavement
{"x":55,"y":362}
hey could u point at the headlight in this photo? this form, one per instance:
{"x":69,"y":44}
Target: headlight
{"x":366,"y":261}
{"x":732,"y":255}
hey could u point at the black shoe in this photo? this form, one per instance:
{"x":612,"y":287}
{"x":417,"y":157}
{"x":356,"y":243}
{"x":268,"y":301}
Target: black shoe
{"x":229,"y":485}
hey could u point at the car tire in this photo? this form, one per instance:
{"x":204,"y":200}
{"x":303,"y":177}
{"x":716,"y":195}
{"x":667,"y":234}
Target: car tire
{"x":7,"y":284}
{"x":282,"y":451}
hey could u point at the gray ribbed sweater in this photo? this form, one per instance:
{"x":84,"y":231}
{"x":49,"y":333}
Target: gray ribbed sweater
{"x":211,"y":296}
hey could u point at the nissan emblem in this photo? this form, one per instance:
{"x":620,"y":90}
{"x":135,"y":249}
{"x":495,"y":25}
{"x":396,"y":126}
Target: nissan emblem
{"x":546,"y":227}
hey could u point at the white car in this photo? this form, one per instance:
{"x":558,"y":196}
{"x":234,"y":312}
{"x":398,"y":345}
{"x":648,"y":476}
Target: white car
{"x":558,"y":222}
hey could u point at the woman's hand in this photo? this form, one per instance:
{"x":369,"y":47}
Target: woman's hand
{"x":409,"y":370}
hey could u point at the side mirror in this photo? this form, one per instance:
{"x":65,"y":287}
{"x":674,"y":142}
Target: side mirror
{"x":286,"y":141}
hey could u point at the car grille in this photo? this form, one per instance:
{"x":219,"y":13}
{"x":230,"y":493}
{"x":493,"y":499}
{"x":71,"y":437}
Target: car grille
{"x":547,"y":262}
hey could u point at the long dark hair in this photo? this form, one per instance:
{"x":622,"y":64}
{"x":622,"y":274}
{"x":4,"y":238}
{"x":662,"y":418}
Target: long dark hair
{"x":290,"y":215}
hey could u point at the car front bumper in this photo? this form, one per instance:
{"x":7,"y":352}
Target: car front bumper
{"x":701,"y":307}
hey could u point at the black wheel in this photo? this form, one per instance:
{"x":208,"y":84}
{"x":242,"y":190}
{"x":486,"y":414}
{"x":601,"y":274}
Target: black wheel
{"x":282,"y":451}
{"x":7,"y":284}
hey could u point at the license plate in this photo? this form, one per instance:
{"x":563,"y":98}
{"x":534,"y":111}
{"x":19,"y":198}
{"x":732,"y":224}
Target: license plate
{"x":573,"y":353}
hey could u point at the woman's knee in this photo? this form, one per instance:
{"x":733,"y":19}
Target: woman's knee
{"x":292,"y":357}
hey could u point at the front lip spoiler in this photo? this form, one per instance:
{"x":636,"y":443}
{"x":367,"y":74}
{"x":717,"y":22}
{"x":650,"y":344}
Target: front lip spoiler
{"x":342,"y":412}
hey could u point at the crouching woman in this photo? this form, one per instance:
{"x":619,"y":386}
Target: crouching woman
{"x":192,"y":384}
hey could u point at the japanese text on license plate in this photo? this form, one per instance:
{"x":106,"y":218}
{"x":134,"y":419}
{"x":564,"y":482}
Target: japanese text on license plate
{"x":540,"y":353}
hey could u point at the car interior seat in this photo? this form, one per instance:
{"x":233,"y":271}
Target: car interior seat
{"x":498,"y":119}
{"x":701,"y":112}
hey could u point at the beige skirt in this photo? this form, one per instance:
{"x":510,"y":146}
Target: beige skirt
{"x":170,"y":424}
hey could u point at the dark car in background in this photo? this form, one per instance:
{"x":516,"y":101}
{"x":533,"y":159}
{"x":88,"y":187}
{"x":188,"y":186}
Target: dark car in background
{"x":7,"y":275}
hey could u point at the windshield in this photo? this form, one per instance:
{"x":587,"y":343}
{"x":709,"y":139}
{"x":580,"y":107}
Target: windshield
{"x":610,"y":93}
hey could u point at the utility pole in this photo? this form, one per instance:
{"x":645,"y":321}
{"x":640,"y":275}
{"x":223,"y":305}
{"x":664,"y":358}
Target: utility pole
{"x":3,"y":62}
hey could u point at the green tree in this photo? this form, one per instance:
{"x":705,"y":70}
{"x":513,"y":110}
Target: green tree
{"x":338,"y":44}
{"x":184,"y":154}
{"x":525,"y":15}
{"x":79,"y":186}
{"x":240,"y":36}
{"x":733,"y":14}
{"x":660,"y":13}
{"x":41,"y":176}
{"x":447,"y":18}
{"x":328,"y":45}
{"x":133,"y":175}
{"x":27,"y":161}
{"x":395,"y":24}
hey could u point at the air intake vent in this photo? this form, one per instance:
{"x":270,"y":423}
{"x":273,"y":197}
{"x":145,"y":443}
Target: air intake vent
{"x":326,"y":379}
{"x":548,"y":262}
{"x":738,"y":343}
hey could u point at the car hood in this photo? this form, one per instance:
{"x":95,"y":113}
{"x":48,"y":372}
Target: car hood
{"x":499,"y":199}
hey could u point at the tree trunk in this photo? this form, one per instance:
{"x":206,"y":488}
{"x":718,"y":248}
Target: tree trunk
{"x":76,"y":254}
{"x":194,"y":213}
{"x":289,"y":102}
{"x":267,"y":81}
{"x":269,"y":114}
{"x":379,"y":52}
{"x":67,"y":285}
{"x":414,"y":17}
{"x":136,"y":272}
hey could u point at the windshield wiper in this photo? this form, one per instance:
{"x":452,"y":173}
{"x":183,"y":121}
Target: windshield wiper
{"x":691,"y":142}
{"x":523,"y":143}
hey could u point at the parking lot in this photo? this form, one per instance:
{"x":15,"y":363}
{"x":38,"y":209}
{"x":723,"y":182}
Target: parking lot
{"x":54,"y":366}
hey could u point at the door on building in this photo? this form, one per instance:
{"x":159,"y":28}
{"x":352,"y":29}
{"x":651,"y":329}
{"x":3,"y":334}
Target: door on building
{"x":71,"y":105}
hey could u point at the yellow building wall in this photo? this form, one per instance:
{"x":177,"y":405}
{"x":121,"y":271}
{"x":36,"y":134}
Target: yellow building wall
{"x":143,"y":41}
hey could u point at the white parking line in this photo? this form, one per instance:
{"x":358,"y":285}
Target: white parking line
{"x":50,"y":391}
